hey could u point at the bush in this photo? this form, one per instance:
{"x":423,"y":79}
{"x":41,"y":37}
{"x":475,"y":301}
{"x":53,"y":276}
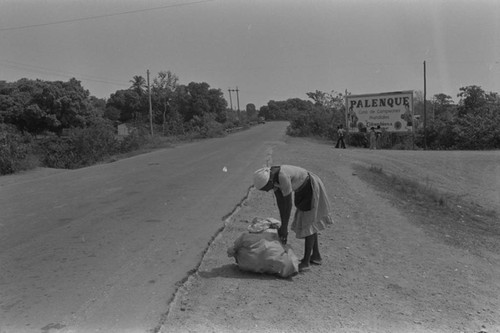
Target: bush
{"x":387,"y":140}
{"x":477,"y":130}
{"x":206,"y":126}
{"x":319,"y":122}
{"x":82,"y":147}
{"x":397,"y":141}
{"x":358,"y":140}
{"x":94,"y":143}
{"x":133,"y":141}
{"x":57,"y":152}
{"x":16,"y":150}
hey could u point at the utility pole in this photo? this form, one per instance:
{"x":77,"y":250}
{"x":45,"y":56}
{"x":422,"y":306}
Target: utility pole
{"x":345,"y":113}
{"x":238,"y":99}
{"x":230,"y":100}
{"x":150,"y":106}
{"x":425,"y":110}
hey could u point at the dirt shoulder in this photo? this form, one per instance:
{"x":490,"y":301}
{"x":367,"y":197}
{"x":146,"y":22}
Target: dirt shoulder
{"x":384,"y":269}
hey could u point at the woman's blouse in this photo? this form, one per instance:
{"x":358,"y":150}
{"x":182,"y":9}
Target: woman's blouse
{"x":291,"y":178}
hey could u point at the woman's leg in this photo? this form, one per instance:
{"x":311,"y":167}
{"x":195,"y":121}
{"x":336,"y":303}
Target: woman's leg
{"x":316,"y":256}
{"x":308,"y":249}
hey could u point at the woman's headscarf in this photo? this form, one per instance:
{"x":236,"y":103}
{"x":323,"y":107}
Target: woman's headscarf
{"x":261,"y":178}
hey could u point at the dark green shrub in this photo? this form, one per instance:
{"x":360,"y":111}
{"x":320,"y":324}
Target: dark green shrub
{"x":396,"y":141}
{"x":133,"y":141}
{"x":319,"y":122}
{"x":57,"y":152}
{"x":206,"y":126}
{"x":93,"y":144}
{"x":358,"y":140}
{"x":82,"y":147}
{"x":16,"y":150}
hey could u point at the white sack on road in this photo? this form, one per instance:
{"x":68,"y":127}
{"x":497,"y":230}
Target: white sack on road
{"x":264,"y":253}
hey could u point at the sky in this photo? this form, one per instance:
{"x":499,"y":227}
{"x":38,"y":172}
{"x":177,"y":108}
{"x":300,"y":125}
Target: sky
{"x":267,"y":49}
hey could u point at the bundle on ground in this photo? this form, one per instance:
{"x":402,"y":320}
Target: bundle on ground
{"x":263,"y":252}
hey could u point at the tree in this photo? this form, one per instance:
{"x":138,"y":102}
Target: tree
{"x":129,"y":102}
{"x":318,"y":121}
{"x":37,"y":106}
{"x":251,"y":111}
{"x":164,"y":86}
{"x":472,"y":98}
{"x":98,"y":105}
{"x":217,"y":104}
{"x":285,"y":110}
{"x":443,"y":100}
{"x":332,"y":100}
{"x":442,"y":106}
{"x":138,"y":84}
{"x":112,"y":113}
{"x":195,"y":99}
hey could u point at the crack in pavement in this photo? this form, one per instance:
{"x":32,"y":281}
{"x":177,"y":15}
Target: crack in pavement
{"x":179,"y":284}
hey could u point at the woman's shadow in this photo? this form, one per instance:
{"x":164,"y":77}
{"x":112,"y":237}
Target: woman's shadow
{"x":232,"y":271}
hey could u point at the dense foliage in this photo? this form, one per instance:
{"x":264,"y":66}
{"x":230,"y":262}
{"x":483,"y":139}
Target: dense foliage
{"x":81,"y":147}
{"x":284,"y":110}
{"x":36,"y":106}
{"x":174,"y":106}
{"x":16,"y":150}
{"x":58,"y":124}
{"x":474,"y":123}
{"x":319,"y":118}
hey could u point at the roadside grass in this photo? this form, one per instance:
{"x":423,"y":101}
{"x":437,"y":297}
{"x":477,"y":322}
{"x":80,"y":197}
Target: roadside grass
{"x":413,"y":189}
{"x":444,"y":216}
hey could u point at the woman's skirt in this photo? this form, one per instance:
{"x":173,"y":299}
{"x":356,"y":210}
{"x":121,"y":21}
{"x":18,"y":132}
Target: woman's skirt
{"x":306,"y":223}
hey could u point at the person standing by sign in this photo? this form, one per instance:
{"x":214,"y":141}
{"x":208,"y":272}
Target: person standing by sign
{"x":378,"y":134}
{"x":313,"y":212}
{"x":340,"y":135}
{"x":407,"y":117}
{"x":352,"y":118}
{"x":373,"y":138}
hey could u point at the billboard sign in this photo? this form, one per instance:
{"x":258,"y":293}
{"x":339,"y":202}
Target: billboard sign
{"x":391,"y":111}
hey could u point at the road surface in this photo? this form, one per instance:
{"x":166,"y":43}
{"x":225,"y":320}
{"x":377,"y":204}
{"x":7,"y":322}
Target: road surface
{"x":102,"y":248}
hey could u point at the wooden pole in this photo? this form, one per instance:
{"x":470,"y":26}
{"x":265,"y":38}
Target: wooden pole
{"x":230,"y":99}
{"x":238,"y":101}
{"x":150,"y":106}
{"x":425,"y":110}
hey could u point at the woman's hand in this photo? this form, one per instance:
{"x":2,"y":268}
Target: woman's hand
{"x":283,"y":234}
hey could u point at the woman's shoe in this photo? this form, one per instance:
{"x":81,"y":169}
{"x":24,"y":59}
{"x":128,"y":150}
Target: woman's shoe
{"x":304,"y":268}
{"x":317,"y":262}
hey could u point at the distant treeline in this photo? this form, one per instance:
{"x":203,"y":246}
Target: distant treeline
{"x":471,"y":124}
{"x":58,"y":124}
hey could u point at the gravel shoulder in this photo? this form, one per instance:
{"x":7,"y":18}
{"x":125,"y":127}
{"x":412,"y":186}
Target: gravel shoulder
{"x":386,"y":269}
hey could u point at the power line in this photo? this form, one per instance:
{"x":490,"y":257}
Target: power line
{"x":42,"y":70}
{"x":29,"y":67}
{"x":104,"y":15}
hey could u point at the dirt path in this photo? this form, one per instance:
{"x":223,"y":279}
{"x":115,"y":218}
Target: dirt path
{"x":381,"y":271}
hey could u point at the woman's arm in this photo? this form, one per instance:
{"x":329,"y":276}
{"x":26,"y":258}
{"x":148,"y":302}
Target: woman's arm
{"x":285,"y":208}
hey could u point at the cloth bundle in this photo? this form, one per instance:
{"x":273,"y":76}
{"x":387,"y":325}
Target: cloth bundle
{"x":260,"y":224}
{"x":263,"y":252}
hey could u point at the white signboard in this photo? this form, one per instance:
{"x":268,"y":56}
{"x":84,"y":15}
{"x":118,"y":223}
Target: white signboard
{"x":391,"y":111}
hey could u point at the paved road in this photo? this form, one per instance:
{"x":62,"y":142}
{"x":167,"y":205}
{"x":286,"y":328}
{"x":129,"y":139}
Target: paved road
{"x":102,"y":248}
